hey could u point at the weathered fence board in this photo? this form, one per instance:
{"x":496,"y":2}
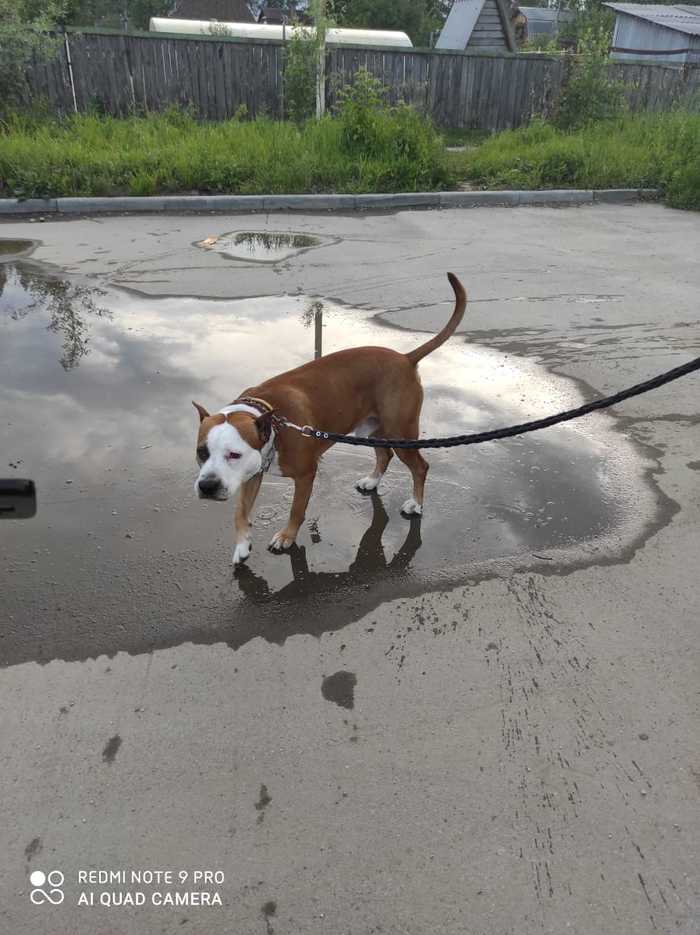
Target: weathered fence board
{"x":218,"y":77}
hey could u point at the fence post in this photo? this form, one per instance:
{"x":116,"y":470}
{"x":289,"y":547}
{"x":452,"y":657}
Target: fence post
{"x":321,"y":66}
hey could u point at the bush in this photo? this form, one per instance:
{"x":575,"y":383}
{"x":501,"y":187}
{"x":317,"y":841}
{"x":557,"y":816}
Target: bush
{"x":300,"y":75}
{"x":589,"y":94}
{"x":683,"y":187}
{"x":413,"y":151}
{"x":361,"y":107}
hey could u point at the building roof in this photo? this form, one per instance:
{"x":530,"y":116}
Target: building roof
{"x":462,"y":20}
{"x":680,"y":17}
{"x":225,"y":11}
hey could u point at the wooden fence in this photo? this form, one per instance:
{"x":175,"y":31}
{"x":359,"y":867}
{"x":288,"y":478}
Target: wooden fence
{"x":123,"y":74}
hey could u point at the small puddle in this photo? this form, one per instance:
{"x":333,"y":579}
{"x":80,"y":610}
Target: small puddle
{"x":15,"y":247}
{"x":262,"y":246}
{"x":97,"y":388}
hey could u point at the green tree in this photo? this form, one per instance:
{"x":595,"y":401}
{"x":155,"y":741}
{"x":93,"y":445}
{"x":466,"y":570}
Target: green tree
{"x":112,"y":13}
{"x":25,"y":36}
{"x":419,"y":18}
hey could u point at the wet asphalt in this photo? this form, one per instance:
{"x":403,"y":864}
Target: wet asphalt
{"x":446,"y":714}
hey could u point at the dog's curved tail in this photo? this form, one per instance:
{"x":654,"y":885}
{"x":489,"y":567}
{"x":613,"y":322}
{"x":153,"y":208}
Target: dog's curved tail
{"x":450,"y":327}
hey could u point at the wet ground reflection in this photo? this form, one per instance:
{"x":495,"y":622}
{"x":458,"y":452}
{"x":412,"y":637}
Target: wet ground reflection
{"x":121,"y":556}
{"x":68,"y":309}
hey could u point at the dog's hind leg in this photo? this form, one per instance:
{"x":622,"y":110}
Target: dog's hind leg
{"x":418,"y":467}
{"x":246,"y":500}
{"x":400,"y":418}
{"x":371,"y":482}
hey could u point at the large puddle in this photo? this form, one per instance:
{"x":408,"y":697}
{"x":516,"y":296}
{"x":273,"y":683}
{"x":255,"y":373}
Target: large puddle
{"x":96,"y":389}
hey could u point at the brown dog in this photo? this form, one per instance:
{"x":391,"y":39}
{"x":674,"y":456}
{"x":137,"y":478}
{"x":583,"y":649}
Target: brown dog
{"x":371,"y":390}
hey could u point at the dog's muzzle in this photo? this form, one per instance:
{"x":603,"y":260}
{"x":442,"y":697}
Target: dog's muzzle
{"x":211,"y":488}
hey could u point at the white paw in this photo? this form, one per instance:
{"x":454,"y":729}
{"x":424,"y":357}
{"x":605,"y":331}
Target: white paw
{"x":280,"y":541}
{"x":241,"y":552}
{"x":367,"y":483}
{"x":412,"y":508}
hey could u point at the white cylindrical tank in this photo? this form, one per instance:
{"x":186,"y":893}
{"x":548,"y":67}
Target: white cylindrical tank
{"x":194,"y":27}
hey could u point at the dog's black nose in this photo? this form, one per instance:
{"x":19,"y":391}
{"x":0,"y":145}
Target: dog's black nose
{"x":209,"y":486}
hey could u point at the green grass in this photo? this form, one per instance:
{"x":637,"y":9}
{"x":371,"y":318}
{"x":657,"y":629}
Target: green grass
{"x":634,"y":151}
{"x":461,"y":137}
{"x":387,"y":150}
{"x":168,"y":153}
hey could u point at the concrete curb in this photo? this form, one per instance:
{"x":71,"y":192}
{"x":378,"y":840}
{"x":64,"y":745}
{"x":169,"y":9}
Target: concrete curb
{"x":177,"y":204}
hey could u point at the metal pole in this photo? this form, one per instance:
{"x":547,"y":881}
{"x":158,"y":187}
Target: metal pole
{"x":284,"y":65}
{"x":318,"y":340}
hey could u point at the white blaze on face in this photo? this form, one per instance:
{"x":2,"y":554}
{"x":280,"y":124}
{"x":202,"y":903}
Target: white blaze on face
{"x":224,"y":443}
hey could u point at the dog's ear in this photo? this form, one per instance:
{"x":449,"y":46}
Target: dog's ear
{"x":203,"y":414}
{"x":264,"y":423}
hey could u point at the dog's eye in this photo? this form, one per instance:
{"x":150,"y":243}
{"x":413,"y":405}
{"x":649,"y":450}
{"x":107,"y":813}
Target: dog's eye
{"x":202,"y":453}
{"x":232,"y":456}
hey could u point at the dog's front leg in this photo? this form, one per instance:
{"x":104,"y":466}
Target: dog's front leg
{"x":286,"y":537}
{"x":246,"y":500}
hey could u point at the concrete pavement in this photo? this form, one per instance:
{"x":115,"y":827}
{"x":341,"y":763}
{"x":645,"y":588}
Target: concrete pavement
{"x":484,"y":725}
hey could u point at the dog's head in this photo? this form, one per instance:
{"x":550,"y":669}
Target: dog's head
{"x":228,"y":451}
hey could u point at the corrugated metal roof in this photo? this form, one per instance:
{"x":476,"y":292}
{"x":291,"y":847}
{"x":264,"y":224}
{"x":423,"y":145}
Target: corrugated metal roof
{"x":685,"y":19}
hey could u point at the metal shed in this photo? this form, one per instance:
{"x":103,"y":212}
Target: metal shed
{"x":478,"y":25}
{"x":656,"y":33}
{"x":543,"y":21}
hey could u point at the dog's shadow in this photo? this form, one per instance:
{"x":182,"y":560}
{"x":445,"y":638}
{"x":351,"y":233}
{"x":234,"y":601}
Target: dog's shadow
{"x":369,"y":567}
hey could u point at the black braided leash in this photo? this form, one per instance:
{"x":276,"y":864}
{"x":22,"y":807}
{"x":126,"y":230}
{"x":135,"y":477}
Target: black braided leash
{"x":508,"y":432}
